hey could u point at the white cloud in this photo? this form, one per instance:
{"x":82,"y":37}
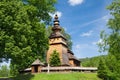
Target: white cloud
{"x":75,"y":2}
{"x":100,"y":24}
{"x":100,"y":41}
{"x":87,"y":34}
{"x":57,"y":12}
{"x":94,"y":43}
{"x":106,"y":18}
{"x":101,"y":19}
{"x":85,"y":50}
{"x":77,"y":46}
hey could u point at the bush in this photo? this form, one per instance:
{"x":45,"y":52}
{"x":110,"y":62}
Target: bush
{"x":54,"y":59}
{"x":103,"y":70}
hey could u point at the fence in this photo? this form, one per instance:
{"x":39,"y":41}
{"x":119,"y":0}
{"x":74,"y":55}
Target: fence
{"x":69,"y":69}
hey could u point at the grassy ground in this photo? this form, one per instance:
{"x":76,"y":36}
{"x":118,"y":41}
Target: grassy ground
{"x":58,"y":76}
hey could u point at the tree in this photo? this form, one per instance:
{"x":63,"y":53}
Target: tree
{"x":4,"y":71}
{"x":67,"y":36}
{"x":93,"y":61}
{"x":112,"y":66}
{"x":22,"y":34}
{"x":112,"y":40}
{"x":103,"y":70}
{"x":114,"y":25}
{"x":44,"y":7}
{"x":54,"y":59}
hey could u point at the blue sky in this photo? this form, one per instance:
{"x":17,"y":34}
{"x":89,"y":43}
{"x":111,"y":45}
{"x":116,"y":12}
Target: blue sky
{"x":84,"y":20}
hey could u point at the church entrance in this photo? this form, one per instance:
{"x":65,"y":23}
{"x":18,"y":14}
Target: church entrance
{"x":36,"y":69}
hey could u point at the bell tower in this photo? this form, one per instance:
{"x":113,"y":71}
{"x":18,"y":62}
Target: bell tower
{"x":56,"y":36}
{"x":58,"y":42}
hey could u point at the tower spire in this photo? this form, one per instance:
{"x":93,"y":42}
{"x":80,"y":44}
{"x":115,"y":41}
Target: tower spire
{"x":56,"y":29}
{"x":56,"y":26}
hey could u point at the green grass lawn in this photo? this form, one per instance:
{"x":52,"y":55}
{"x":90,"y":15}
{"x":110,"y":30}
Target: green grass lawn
{"x":58,"y":76}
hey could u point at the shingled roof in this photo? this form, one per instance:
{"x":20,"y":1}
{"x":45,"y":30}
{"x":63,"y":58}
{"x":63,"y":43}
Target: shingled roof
{"x":37,"y":62}
{"x":71,"y":55}
{"x":56,"y":29}
{"x":65,"y":60}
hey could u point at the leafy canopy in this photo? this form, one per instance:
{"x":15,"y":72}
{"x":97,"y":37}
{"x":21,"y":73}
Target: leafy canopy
{"x":112,"y":41}
{"x":22,"y":31}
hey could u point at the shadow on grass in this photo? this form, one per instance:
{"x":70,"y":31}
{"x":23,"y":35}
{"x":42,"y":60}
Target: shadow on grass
{"x":23,"y":77}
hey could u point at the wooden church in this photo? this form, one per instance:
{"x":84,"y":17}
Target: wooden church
{"x":59,"y":43}
{"x":68,"y":61}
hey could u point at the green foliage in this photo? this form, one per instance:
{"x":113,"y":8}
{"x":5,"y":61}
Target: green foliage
{"x":114,"y":25}
{"x":4,"y":71}
{"x":92,"y":62}
{"x":24,"y":77}
{"x":43,"y":8}
{"x":22,"y":34}
{"x":55,"y":59}
{"x":103,"y":70}
{"x":112,"y":41}
{"x":113,"y":67}
{"x":66,"y":35}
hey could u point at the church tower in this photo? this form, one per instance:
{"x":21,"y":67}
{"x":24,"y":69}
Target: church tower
{"x":58,"y":42}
